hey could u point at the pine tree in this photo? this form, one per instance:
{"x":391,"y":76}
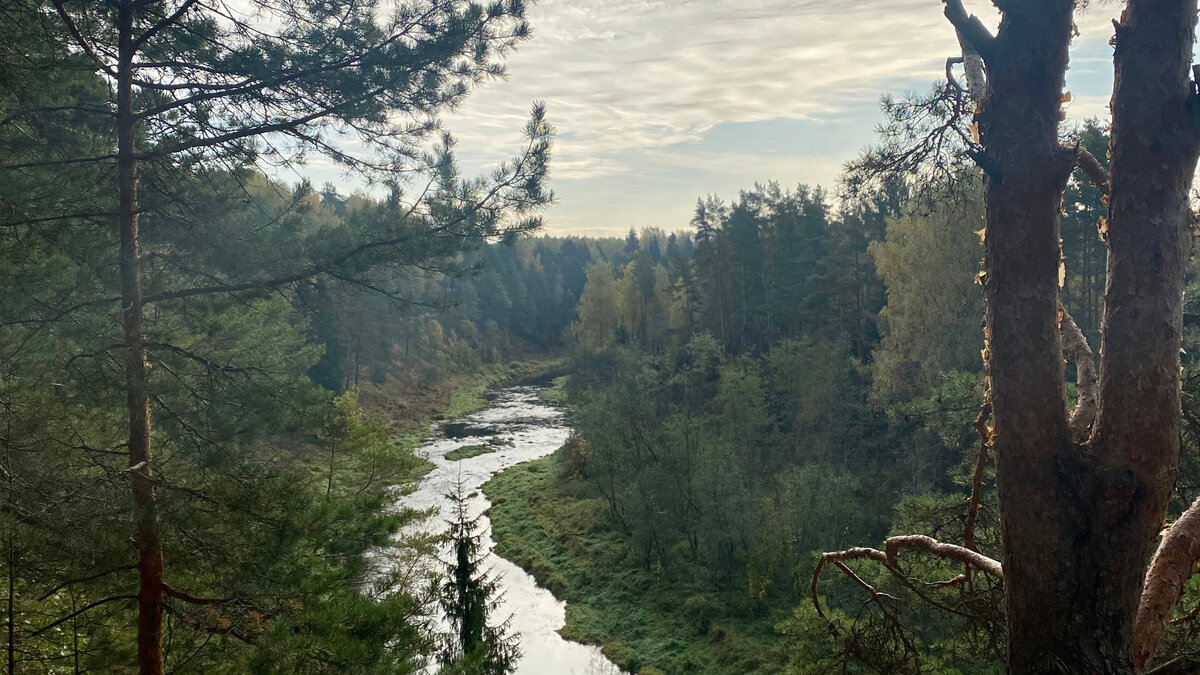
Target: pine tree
{"x":194,"y":96}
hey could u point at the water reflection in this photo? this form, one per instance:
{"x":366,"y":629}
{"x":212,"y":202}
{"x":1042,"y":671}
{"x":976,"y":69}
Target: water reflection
{"x":535,"y":430}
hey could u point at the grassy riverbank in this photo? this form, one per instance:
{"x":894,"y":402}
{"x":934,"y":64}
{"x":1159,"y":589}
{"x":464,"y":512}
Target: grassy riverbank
{"x":410,"y":408}
{"x":645,"y":620}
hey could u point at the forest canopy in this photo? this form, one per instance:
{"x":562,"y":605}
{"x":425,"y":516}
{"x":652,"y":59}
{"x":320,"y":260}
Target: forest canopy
{"x":939,"y":415}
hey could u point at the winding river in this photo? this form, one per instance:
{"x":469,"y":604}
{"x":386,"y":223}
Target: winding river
{"x":516,"y":414}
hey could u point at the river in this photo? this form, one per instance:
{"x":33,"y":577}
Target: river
{"x":515,"y":414}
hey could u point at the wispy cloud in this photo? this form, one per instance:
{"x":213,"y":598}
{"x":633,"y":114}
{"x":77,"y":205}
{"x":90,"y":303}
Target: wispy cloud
{"x":639,"y":90}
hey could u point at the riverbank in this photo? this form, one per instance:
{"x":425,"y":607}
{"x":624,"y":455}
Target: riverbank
{"x":410,"y":409}
{"x":523,"y":429}
{"x":645,"y":621}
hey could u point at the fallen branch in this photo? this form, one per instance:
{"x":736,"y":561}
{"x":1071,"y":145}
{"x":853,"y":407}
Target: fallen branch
{"x":1090,"y":166}
{"x":1170,"y":570}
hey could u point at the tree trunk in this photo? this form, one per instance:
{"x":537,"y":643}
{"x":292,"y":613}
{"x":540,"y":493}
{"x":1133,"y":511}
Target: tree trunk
{"x":1038,"y":464}
{"x":137,"y":397}
{"x":10,"y":613}
{"x":1078,"y":521}
{"x":1135,"y":450}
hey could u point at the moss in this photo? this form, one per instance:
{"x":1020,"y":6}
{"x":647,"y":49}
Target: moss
{"x":468,"y":451}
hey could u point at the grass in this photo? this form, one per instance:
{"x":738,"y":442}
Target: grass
{"x":411,"y":408}
{"x":469,"y":397}
{"x":556,"y":393}
{"x":469,"y":451}
{"x":645,"y":620}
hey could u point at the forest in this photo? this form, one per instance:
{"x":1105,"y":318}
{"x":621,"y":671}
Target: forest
{"x":226,"y":389}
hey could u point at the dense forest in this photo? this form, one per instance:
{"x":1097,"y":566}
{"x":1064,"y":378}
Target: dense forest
{"x":976,"y":351}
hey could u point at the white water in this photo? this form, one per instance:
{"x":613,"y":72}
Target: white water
{"x":535,"y":430}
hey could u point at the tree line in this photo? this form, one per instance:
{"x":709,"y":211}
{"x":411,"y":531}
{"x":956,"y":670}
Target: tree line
{"x":806,"y":379}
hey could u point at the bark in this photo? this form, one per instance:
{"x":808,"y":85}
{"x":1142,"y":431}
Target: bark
{"x":1169,"y":573}
{"x":137,"y":395}
{"x":1019,"y":131}
{"x":11,"y":646}
{"x":1076,"y":349}
{"x":1078,"y":520}
{"x":1136,"y":442}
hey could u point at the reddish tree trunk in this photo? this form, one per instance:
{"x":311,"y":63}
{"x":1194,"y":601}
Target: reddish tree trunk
{"x":1135,"y":450}
{"x":1079,"y":520}
{"x":137,"y":401}
{"x":1027,"y":173}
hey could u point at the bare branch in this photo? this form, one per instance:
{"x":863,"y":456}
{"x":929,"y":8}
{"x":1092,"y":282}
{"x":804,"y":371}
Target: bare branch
{"x":1169,"y":573}
{"x":1090,"y":166}
{"x":85,"y":608}
{"x":970,"y":28}
{"x":165,"y":22}
{"x":950,"y":63}
{"x":891,"y":549}
{"x":90,"y":577}
{"x":1075,"y":348}
{"x":79,"y":39}
{"x":973,"y":502}
{"x":837,"y":557}
{"x":919,"y":542}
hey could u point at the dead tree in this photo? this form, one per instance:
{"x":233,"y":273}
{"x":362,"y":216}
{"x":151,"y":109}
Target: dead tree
{"x":1082,"y":498}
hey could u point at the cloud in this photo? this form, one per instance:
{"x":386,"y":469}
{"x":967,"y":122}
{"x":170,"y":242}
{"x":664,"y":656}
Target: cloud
{"x":637,"y":87}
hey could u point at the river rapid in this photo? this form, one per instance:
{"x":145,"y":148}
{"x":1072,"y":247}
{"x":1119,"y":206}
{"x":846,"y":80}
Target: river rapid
{"x":535,"y":430}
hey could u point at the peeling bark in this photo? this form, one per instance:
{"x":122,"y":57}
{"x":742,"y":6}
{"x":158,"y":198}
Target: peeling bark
{"x":1077,"y":350}
{"x":1177,"y":556}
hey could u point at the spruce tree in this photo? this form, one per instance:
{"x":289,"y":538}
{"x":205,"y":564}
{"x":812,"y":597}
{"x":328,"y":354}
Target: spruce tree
{"x":468,"y":596}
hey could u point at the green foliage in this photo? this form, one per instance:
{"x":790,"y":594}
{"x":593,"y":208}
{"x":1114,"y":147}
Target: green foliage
{"x":271,"y":493}
{"x":929,"y":263}
{"x":560,"y":531}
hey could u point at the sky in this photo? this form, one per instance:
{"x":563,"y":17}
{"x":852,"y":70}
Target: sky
{"x":659,"y":102}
